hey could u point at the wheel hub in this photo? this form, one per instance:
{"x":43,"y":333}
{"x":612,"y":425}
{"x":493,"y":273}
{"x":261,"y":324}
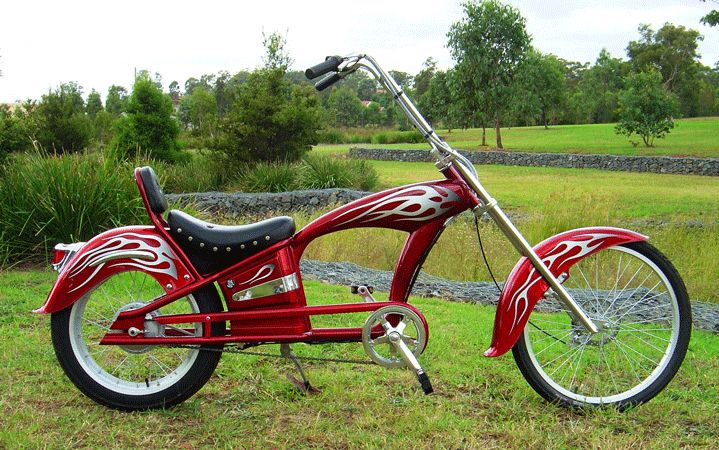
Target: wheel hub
{"x":152,"y":328}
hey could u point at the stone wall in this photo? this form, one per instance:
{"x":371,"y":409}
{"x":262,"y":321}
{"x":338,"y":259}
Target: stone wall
{"x":239,"y":203}
{"x":654,"y":164}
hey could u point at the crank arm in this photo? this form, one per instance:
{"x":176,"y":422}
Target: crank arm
{"x":396,"y":340}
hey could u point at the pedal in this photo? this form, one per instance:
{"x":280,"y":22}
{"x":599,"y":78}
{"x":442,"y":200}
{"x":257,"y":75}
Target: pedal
{"x":363,"y":291}
{"x":304,"y":385}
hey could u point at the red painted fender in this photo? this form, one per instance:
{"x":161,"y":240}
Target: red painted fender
{"x":525,"y":287}
{"x":118,"y":250}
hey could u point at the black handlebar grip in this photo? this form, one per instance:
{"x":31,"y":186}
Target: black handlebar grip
{"x":327,"y":81}
{"x":329,"y":65}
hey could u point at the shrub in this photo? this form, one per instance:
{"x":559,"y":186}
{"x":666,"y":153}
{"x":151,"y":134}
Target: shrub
{"x":645,"y":107}
{"x":203,"y":172}
{"x":268,"y":177}
{"x":148,"y":125}
{"x":59,"y":122}
{"x":326,"y":172}
{"x":12,"y":135}
{"x":49,"y":199}
{"x":313,"y":172}
{"x":323,"y":172}
{"x":270,"y":120}
{"x":398,"y":137}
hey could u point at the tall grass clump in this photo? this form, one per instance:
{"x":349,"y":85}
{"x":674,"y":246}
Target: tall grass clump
{"x":205,"y":171}
{"x":313,"y":172}
{"x":398,"y":137}
{"x":267,"y":177}
{"x":49,"y":199}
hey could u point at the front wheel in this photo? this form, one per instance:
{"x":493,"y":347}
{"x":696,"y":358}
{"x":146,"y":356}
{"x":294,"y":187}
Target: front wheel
{"x":134,"y":377}
{"x":637,"y":298}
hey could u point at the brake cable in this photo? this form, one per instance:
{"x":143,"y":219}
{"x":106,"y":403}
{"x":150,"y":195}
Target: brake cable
{"x":489,"y":269}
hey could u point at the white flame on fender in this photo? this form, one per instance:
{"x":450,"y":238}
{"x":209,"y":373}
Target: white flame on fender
{"x":520,"y":300}
{"x":136,"y":252}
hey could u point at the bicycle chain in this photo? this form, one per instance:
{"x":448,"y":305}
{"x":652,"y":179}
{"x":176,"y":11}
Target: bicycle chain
{"x":237,"y":351}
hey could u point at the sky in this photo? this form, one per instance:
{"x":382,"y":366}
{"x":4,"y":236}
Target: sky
{"x":99,"y":43}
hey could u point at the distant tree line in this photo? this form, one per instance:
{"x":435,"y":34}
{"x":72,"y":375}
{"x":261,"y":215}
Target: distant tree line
{"x":273,"y":112}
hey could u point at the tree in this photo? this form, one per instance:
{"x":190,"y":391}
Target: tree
{"x":60,"y":122}
{"x":645,"y":107}
{"x":94,"y":104}
{"x":672,"y":50}
{"x":270,"y":119}
{"x":345,"y":107}
{"x":541,"y":87}
{"x":489,"y":44}
{"x":12,"y":133}
{"x":403,"y":79}
{"x":148,"y":125}
{"x":595,"y":98}
{"x":276,"y":58}
{"x":712,"y":18}
{"x":201,"y":113}
{"x":424,"y":77}
{"x":116,"y":100}
{"x":174,"y":91}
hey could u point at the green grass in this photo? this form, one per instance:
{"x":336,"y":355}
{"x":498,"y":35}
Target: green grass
{"x":632,"y":195}
{"x":248,"y":403}
{"x":690,"y":137}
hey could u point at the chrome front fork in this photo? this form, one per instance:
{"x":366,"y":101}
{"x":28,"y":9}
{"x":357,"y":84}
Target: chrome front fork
{"x":489,"y":205}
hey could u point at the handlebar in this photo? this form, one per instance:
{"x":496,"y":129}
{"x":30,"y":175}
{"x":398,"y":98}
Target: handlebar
{"x":327,"y":81}
{"x":330,"y":64}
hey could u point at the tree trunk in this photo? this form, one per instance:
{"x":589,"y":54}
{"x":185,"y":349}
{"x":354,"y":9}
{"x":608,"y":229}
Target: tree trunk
{"x":544,"y":120}
{"x":499,"y":136}
{"x":484,"y":134}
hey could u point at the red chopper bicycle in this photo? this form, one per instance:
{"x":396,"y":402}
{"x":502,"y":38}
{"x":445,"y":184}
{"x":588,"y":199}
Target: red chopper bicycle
{"x":137,"y":321}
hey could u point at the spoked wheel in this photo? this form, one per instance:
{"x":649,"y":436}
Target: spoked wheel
{"x":637,"y":298}
{"x":133,"y":377}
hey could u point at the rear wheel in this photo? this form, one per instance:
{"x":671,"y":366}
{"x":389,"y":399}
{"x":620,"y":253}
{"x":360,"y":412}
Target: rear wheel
{"x":134,"y":377}
{"x":637,"y":298}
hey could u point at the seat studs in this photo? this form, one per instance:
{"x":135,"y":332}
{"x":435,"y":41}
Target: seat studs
{"x":254,"y":242}
{"x":228,"y":249}
{"x":189,"y":238}
{"x":179,"y":230}
{"x":242,"y":246}
{"x":202,"y":244}
{"x":267,"y":238}
{"x":214,"y":249}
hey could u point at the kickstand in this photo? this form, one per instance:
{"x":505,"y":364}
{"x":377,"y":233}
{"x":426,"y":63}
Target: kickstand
{"x":304,"y":386}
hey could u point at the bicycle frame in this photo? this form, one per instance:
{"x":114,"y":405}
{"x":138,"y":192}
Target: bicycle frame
{"x":264,"y":293}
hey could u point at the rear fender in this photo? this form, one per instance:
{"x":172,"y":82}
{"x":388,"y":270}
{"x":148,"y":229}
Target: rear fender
{"x":525,"y":286}
{"x":121,"y":249}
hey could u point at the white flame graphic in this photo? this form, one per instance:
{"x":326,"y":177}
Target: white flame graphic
{"x":520,"y":300}
{"x":264,"y":272}
{"x":142,"y":255}
{"x":424,"y":200}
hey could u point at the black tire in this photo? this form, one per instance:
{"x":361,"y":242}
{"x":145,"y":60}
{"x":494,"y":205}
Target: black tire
{"x":636,"y":320}
{"x":170,"y":388}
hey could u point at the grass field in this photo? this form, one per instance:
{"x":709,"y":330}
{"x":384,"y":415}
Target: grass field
{"x":690,"y":137}
{"x":479,"y":403}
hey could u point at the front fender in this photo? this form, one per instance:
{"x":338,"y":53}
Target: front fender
{"x":121,"y":249}
{"x":525,"y":287}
